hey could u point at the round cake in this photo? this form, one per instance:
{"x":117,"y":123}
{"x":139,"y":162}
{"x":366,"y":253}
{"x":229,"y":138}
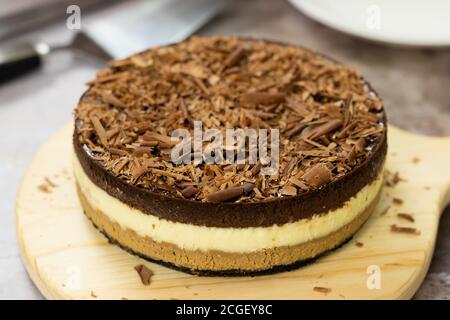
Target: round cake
{"x":229,"y":156}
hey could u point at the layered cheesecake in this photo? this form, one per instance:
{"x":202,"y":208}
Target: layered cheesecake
{"x":318,"y":184}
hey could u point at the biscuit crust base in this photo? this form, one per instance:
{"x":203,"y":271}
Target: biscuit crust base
{"x":219,"y":263}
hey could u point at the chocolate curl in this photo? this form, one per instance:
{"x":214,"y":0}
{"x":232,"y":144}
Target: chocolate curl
{"x":325,"y":128}
{"x":189,"y":191}
{"x":100,"y":130}
{"x":235,"y":57}
{"x":317,"y":175}
{"x":230,"y":193}
{"x":111,"y":99}
{"x":261,"y":98}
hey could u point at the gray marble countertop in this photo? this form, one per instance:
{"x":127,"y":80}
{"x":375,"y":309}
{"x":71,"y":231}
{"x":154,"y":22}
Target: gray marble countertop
{"x":413,"y":83}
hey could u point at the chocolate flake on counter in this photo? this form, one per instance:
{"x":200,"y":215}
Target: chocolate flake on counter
{"x":416,"y":160}
{"x":322,"y":290}
{"x":144,"y":273}
{"x":93,"y":295}
{"x":408,"y":230}
{"x":397,"y":201}
{"x":322,"y":110}
{"x":359,"y":244}
{"x":406,"y":216}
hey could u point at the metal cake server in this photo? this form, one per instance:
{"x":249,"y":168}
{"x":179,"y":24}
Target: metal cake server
{"x":146,"y":24}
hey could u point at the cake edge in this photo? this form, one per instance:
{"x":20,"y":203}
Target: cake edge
{"x":351,"y":229}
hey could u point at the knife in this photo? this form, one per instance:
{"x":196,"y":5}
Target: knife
{"x":146,"y":24}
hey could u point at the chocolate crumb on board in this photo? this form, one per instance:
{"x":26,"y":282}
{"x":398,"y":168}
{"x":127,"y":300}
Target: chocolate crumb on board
{"x":396,"y":178}
{"x":392,"y":179}
{"x":328,"y":117}
{"x":359,"y":244}
{"x":397,"y":201}
{"x":93,"y":295}
{"x":416,"y":160}
{"x":43,"y":187}
{"x":406,"y":216}
{"x":50,"y":182}
{"x":382,"y":213}
{"x":322,"y":290}
{"x":407,"y":230}
{"x":144,"y":273}
{"x":47,"y":185}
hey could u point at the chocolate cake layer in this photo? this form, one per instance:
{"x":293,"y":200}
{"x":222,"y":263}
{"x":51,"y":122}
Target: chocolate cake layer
{"x":236,"y":215}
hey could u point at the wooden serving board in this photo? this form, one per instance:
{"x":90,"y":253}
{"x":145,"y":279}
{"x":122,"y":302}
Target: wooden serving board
{"x":68,"y":258}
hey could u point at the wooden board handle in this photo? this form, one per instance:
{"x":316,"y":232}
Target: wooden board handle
{"x":431,"y":156}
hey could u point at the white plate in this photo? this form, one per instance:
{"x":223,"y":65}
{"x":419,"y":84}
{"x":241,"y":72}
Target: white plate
{"x":402,"y":22}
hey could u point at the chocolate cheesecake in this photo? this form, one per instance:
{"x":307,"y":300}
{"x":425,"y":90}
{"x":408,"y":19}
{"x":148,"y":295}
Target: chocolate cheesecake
{"x":231,"y":216}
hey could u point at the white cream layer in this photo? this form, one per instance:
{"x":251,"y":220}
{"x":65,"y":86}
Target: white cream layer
{"x":192,"y":237}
